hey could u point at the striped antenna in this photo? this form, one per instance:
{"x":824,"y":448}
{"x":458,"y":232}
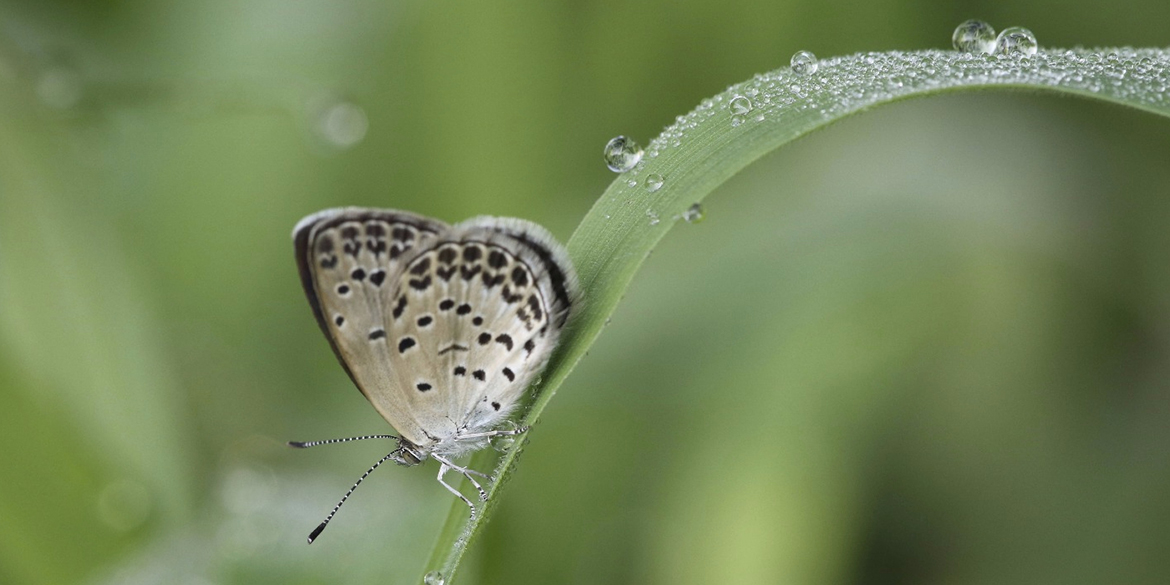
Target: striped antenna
{"x":307,"y":444}
{"x":317,"y":531}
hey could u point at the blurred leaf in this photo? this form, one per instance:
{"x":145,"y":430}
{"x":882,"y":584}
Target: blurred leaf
{"x":75,"y":329}
{"x":729,"y":131}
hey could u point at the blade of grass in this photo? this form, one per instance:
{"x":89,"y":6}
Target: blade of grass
{"x":716,"y":140}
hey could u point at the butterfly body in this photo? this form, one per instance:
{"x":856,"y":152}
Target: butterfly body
{"x":442,"y":328}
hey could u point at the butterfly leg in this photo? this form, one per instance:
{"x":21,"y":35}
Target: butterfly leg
{"x":468,"y":473}
{"x":443,"y":468}
{"x":497,"y":433}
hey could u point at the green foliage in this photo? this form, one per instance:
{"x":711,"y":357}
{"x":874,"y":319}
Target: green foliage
{"x":718,"y":139}
{"x":924,"y":345}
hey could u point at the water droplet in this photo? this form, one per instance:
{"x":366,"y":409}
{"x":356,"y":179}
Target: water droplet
{"x":341,"y":124}
{"x":433,"y":578}
{"x":736,"y":120}
{"x":653,"y":216}
{"x":804,"y":63}
{"x":974,"y":36}
{"x":621,"y":154}
{"x":740,"y":105}
{"x":653,"y":182}
{"x":1016,"y":41}
{"x":694,"y":214}
{"x":502,"y":443}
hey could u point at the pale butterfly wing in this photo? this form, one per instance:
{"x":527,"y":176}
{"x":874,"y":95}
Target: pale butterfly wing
{"x":349,"y":261}
{"x":448,"y":335}
{"x":476,"y":316}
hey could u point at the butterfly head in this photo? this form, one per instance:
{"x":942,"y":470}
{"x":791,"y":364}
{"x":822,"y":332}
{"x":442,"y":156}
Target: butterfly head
{"x":408,"y":454}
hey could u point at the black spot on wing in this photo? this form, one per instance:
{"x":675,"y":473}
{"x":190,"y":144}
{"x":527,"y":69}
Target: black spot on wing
{"x":375,"y":230}
{"x":463,"y":309}
{"x":460,"y":371}
{"x":509,"y":297}
{"x":339,"y":320}
{"x":479,"y":375}
{"x":405,"y":343}
{"x":423,"y":386}
{"x":534,"y":304}
{"x":509,"y":374}
{"x":497,"y":260}
{"x":421,"y":284}
{"x":485,"y":338}
{"x":519,"y":276}
{"x":496,"y":406}
{"x":400,"y":306}
{"x":505,"y":339}
{"x":377,"y":277}
{"x":358,"y":274}
{"x":447,"y":255}
{"x":425,"y":320}
{"x":529,"y":346}
{"x":421,"y":267}
{"x":490,"y":280}
{"x":472,"y":253}
{"x":446,"y":305}
{"x":469,"y":272}
{"x":377,"y":334}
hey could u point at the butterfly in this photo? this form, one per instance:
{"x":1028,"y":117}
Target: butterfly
{"x":441,"y":327}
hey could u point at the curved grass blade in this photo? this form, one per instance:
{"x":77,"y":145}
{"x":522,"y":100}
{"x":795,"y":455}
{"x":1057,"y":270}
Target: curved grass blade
{"x":728,"y":131}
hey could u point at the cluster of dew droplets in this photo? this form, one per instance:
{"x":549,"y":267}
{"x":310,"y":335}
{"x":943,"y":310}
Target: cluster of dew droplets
{"x":978,"y":37}
{"x":807,"y":97}
{"x":844,"y":85}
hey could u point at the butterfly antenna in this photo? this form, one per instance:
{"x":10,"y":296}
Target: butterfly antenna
{"x":321,"y":528}
{"x":307,"y":444}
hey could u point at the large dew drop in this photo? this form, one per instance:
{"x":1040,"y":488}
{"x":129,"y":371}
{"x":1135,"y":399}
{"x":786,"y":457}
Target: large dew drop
{"x":804,"y":63}
{"x":433,"y":578}
{"x":740,"y":105}
{"x":1016,"y":41}
{"x":621,"y":154}
{"x":974,"y":36}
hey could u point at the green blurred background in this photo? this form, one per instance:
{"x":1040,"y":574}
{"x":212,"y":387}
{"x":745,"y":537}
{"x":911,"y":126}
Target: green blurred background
{"x":928,"y":345}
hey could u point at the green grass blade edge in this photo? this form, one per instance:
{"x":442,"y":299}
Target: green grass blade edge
{"x":710,"y":144}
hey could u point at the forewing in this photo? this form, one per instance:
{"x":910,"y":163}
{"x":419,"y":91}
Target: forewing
{"x":349,"y":261}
